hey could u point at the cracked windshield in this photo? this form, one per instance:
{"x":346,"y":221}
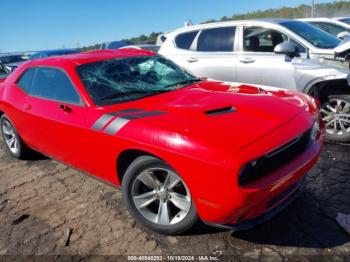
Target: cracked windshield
{"x":120,"y":80}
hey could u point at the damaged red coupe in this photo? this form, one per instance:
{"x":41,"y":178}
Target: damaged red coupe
{"x":180,"y":148}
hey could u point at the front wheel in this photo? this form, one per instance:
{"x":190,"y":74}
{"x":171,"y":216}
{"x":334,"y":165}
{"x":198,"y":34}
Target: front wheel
{"x":336,"y":115}
{"x":158,"y":197}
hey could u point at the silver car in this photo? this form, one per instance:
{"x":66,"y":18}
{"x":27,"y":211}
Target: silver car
{"x":334,"y":27}
{"x":270,"y":52}
{"x":342,"y":19}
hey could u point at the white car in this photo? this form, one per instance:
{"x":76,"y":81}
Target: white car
{"x":149,"y":47}
{"x":271,"y":52}
{"x":342,"y":19}
{"x":334,"y":27}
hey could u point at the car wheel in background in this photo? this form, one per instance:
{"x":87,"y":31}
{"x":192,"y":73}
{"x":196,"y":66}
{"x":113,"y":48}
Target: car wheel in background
{"x":336,"y":115}
{"x":14,"y":144}
{"x":158,"y":197}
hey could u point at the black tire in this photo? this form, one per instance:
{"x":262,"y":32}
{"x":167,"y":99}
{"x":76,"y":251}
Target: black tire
{"x":24,"y":152}
{"x":345,"y":137}
{"x":139,"y":165}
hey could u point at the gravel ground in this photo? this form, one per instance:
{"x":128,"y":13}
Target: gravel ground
{"x":47,"y":208}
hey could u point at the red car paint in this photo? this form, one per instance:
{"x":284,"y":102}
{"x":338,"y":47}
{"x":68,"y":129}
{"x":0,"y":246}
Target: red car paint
{"x":207,"y":151}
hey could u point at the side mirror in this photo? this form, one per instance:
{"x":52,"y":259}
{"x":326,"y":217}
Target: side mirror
{"x":343,"y":35}
{"x":286,"y":48}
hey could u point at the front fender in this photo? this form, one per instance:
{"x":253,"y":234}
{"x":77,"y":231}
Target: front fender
{"x":319,"y":80}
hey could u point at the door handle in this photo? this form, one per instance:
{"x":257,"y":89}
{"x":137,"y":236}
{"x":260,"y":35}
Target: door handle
{"x":247,"y":60}
{"x":192,"y":60}
{"x":65,"y":108}
{"x":27,"y":107}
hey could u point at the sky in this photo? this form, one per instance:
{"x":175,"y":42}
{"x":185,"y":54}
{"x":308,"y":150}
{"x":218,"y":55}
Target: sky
{"x":28,"y":25}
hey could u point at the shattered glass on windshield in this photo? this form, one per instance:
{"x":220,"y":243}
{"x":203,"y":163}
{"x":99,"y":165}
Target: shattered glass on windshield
{"x":120,"y":80}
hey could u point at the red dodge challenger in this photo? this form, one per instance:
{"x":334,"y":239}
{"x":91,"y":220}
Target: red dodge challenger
{"x":180,"y":148}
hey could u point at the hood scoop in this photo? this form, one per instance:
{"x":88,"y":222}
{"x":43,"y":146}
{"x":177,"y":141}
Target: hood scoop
{"x":220,"y":111}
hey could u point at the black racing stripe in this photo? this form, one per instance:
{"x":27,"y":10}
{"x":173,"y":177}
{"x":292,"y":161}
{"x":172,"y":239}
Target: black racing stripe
{"x":102,"y":121}
{"x":142,"y":115}
{"x":116,"y":125}
{"x":121,"y":120}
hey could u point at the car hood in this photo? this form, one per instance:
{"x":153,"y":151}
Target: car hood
{"x":343,"y":47}
{"x":214,"y":113}
{"x":337,"y":52}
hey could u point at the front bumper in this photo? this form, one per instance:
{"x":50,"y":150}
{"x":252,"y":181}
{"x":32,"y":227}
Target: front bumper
{"x":286,"y":198}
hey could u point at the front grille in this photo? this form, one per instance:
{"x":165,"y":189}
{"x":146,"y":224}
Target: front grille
{"x":275,"y":159}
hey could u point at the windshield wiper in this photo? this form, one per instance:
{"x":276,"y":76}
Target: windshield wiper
{"x":184,"y":82}
{"x":135,"y":92}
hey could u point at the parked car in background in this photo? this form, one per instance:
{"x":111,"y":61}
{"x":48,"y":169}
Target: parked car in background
{"x":160,"y":39}
{"x":268,"y":52}
{"x":9,"y":59}
{"x":334,"y":27}
{"x":137,"y":120}
{"x":49,"y":53}
{"x":149,"y":47}
{"x":13,"y":61}
{"x":343,"y":19}
{"x":115,"y":44}
{"x":3,"y":72}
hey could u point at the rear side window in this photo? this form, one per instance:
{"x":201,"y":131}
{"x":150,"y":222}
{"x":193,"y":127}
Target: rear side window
{"x":217,"y":39}
{"x":25,"y":80}
{"x":54,"y":84}
{"x":184,"y":41}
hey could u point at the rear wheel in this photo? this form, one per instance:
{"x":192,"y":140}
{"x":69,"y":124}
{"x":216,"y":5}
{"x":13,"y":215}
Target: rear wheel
{"x":14,"y":144}
{"x":336,"y":115}
{"x":158,"y":197}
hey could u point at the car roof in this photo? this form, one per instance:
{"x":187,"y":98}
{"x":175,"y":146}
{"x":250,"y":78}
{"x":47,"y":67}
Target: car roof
{"x":317,"y":19}
{"x":90,"y":57}
{"x":341,"y":17}
{"x":233,"y":22}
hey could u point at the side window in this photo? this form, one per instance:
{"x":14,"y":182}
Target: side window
{"x":25,"y":80}
{"x":52,"y":83}
{"x":184,"y":41}
{"x":217,"y":39}
{"x":300,"y":48}
{"x":259,"y":39}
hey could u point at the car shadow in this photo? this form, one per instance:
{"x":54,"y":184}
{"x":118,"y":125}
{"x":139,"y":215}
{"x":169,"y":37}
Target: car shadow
{"x":201,"y":228}
{"x":36,"y":156}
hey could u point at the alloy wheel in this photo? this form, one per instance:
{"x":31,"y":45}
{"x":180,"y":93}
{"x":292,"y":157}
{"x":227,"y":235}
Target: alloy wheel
{"x":336,"y":116}
{"x":161,"y":196}
{"x":10,"y":137}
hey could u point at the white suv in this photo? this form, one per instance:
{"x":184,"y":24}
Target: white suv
{"x":273,"y":52}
